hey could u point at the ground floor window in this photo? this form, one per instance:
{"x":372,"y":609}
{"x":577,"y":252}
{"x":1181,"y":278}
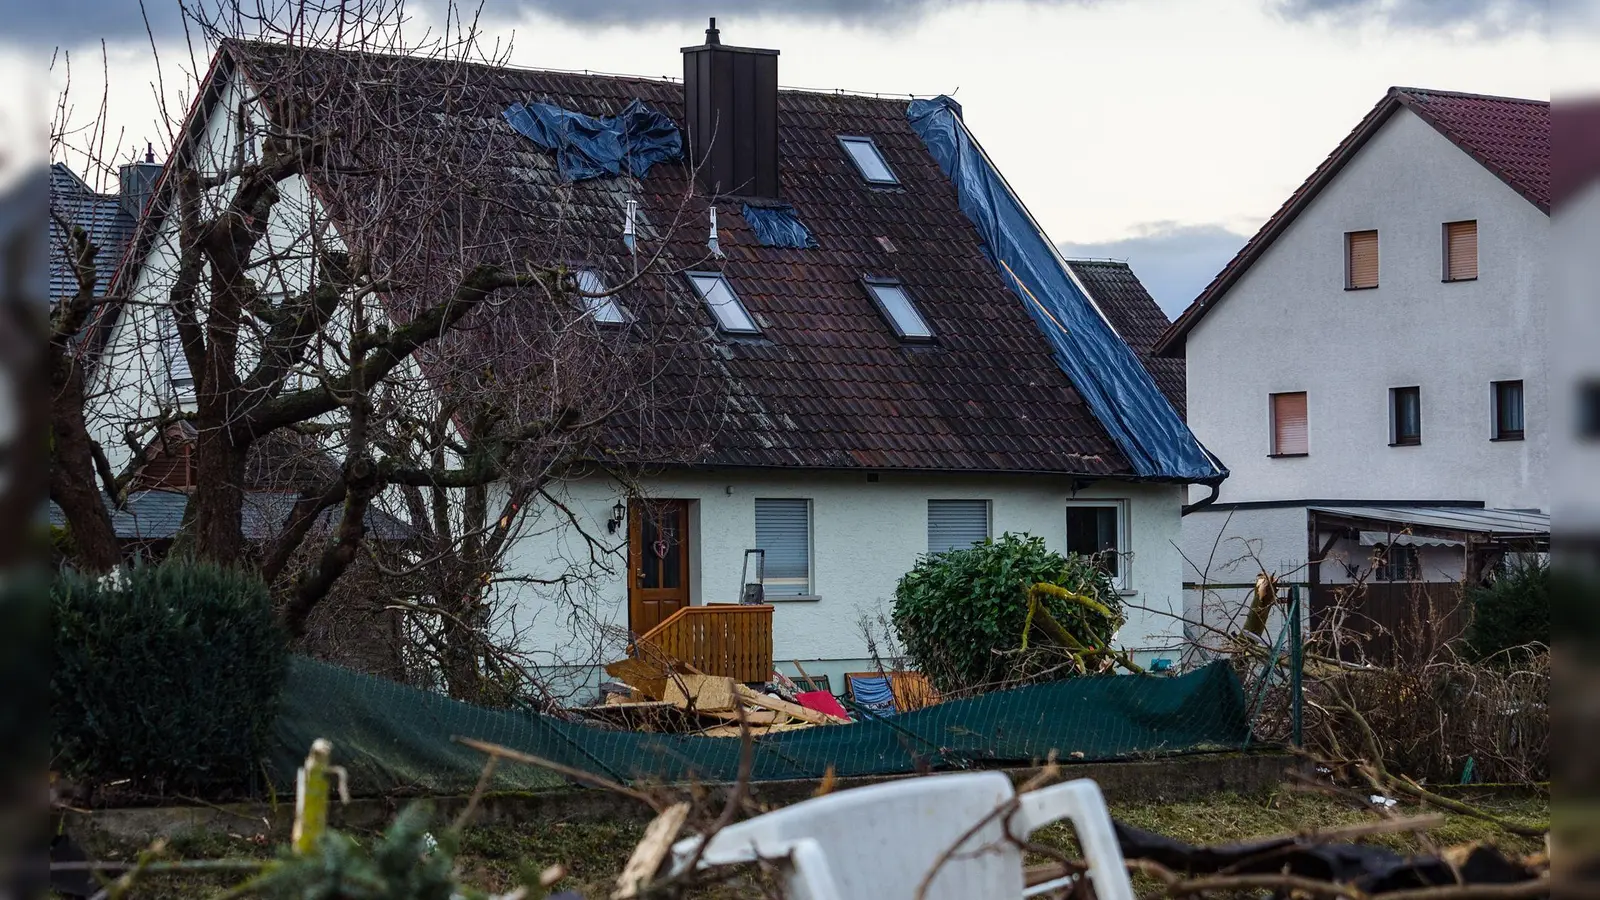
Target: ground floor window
{"x":783,"y":531}
{"x":1095,"y":528}
{"x":1397,"y":563}
{"x":956,"y":524}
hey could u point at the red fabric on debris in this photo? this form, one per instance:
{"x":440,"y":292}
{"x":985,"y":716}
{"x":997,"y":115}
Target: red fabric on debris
{"x":822,"y":702}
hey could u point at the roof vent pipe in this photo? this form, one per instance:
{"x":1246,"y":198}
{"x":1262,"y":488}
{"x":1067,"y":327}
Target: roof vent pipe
{"x":730,"y":114}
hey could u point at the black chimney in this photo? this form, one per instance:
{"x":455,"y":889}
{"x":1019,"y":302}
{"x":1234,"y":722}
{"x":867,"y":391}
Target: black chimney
{"x":136,"y":182}
{"x":730,"y":105}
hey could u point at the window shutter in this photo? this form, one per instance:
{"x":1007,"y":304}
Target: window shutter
{"x":1461,"y":251}
{"x":783,"y":530}
{"x":1361,"y":263}
{"x":1289,"y":431}
{"x":956,"y":524}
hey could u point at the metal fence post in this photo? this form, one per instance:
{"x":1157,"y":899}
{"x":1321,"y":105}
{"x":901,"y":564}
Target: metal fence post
{"x":1296,"y":667}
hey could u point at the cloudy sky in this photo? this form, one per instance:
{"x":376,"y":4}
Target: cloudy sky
{"x":1158,"y":131}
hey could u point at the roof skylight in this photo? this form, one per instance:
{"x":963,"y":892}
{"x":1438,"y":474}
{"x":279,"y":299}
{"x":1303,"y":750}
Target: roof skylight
{"x":604,"y":309}
{"x":897,"y":307}
{"x":864,"y":153}
{"x":723,"y":302}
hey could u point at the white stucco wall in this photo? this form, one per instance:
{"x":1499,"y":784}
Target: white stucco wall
{"x":1289,"y":325}
{"x":865,"y":536}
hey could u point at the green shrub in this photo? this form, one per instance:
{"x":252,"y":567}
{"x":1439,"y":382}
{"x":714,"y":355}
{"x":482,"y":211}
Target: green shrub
{"x":1513,"y":610}
{"x":166,"y":675}
{"x":961,"y":614}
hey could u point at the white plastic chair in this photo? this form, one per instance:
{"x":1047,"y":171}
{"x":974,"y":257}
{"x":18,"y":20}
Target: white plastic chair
{"x":880,"y":842}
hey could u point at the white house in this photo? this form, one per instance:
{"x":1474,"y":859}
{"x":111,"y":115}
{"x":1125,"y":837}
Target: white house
{"x":879,"y":384}
{"x":1378,"y":352}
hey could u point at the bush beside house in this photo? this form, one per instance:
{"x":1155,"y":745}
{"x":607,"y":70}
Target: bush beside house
{"x":1512,"y":610}
{"x":962,"y":615}
{"x":166,"y":675}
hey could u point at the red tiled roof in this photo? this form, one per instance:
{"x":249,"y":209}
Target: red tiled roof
{"x":1508,"y":136}
{"x":827,"y":384}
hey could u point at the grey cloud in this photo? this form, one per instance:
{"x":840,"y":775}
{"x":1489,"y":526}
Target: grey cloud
{"x":1481,"y":18}
{"x":74,"y":22}
{"x":692,"y":14}
{"x":1175,"y":262}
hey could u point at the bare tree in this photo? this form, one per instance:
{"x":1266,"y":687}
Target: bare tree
{"x":380,"y":319}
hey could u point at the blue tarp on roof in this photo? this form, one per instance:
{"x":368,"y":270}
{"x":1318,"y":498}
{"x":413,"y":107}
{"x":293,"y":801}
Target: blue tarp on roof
{"x":588,"y":147}
{"x":1108,"y":375}
{"x":778,"y":225}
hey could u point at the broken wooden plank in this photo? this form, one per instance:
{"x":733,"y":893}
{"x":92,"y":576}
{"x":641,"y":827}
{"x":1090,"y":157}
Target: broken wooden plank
{"x":732,"y":731}
{"x":702,"y":693}
{"x":651,"y":851}
{"x":794,"y":710}
{"x":649,"y":677}
{"x":752,"y":716}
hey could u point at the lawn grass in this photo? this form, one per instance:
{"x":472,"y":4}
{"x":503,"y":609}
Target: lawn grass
{"x":593,"y":853}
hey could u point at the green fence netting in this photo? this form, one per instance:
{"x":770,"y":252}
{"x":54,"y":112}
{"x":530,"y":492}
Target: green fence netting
{"x":394,"y":738}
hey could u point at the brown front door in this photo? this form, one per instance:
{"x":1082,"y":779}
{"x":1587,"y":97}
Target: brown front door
{"x":658,"y":561}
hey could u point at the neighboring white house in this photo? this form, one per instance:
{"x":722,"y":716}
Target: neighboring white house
{"x":1378,"y":350}
{"x":885,"y":392}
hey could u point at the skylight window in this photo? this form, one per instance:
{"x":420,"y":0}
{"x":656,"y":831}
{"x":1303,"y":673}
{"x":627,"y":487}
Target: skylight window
{"x":864,"y":153}
{"x":724,"y":304}
{"x":896,"y":306}
{"x":604,"y":309}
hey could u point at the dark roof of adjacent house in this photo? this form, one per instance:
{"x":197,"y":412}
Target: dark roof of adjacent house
{"x":110,"y":227}
{"x":1575,"y":144}
{"x":1136,"y":317}
{"x":158,"y":516}
{"x":1509,"y":136}
{"x":827,"y":384}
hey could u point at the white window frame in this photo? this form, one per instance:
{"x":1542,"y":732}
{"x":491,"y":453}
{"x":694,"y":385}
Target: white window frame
{"x":1495,"y":434}
{"x":850,"y":142}
{"x":604,"y":310}
{"x":724,"y":323}
{"x":988,"y":518}
{"x":1124,"y":577}
{"x":810,"y":592}
{"x":874,"y":285}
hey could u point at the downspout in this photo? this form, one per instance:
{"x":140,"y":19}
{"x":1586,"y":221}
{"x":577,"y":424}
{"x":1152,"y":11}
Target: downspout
{"x":1203,"y":502}
{"x":1215,"y":484}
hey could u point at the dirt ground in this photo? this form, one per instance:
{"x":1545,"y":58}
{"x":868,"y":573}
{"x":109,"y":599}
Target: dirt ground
{"x":593,"y":853}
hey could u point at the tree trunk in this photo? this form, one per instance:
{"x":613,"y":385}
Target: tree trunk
{"x":219,"y":496}
{"x":72,"y":479}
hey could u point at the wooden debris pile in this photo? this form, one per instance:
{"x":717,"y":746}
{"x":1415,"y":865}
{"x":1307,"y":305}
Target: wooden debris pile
{"x":671,"y":696}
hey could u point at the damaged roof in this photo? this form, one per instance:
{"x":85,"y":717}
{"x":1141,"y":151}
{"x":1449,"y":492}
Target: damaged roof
{"x":827,"y":384}
{"x":1509,"y":136}
{"x":1137,"y":318}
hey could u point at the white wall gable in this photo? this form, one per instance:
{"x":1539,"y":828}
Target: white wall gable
{"x":1288,"y":324}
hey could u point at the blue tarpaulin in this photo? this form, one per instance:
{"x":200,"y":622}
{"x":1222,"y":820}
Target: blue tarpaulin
{"x":1100,"y":365}
{"x":777,"y":225}
{"x":588,"y":147}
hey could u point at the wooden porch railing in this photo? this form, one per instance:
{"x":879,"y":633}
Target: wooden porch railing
{"x":725,"y":639}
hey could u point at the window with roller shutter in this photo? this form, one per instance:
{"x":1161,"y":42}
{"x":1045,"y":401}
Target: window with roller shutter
{"x":1289,"y":427}
{"x":956,"y":524}
{"x":1361,"y":260}
{"x":783,"y":530}
{"x":1461,"y":251}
